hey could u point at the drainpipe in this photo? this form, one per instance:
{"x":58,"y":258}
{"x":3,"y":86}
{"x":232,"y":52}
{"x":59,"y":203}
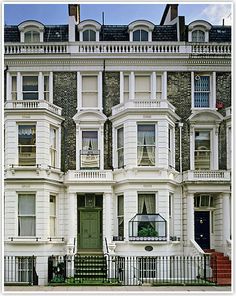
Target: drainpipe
{"x":180,"y":125}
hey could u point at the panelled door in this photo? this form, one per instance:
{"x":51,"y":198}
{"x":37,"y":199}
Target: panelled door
{"x":202,"y":228}
{"x":90,"y":229}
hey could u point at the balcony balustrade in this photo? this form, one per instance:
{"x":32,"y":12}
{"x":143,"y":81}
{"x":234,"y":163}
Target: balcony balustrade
{"x":89,"y":176}
{"x":206,"y":175}
{"x":103,"y":47}
{"x":33,"y":104}
{"x":143,"y":104}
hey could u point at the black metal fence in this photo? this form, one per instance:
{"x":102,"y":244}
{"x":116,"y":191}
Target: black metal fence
{"x":158,"y":270}
{"x":20,"y":270}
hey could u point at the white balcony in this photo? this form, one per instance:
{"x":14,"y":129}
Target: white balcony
{"x":89,"y":176}
{"x":33,"y":104}
{"x":130,"y":48}
{"x":207,"y":175}
{"x":143,"y":104}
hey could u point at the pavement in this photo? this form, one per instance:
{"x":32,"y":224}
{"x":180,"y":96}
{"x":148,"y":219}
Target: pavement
{"x":121,"y":290}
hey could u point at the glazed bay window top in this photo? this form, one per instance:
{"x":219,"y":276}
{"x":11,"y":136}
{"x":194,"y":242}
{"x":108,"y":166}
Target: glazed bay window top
{"x":27,"y":144}
{"x":202,"y":154}
{"x":26,"y":215}
{"x":146,"y":150}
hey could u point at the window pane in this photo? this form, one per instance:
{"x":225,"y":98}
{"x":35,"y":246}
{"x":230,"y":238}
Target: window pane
{"x":52,"y":205}
{"x":35,"y":36}
{"x":26,"y":204}
{"x":136,"y":35}
{"x":202,"y":140}
{"x":146,"y":145}
{"x":26,"y":214}
{"x":146,"y":134}
{"x":92,"y":35}
{"x":90,"y":140}
{"x":120,"y":137}
{"x":198,"y":36}
{"x":144,"y":35}
{"x":86,"y":35}
{"x":202,"y":150}
{"x":30,"y":87}
{"x":202,"y":83}
{"x":120,"y":210}
{"x":146,"y":204}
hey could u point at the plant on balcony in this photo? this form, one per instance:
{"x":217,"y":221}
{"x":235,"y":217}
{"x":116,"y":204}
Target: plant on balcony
{"x":147,"y":232}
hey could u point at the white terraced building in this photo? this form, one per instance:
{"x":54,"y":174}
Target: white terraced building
{"x":117,"y":139}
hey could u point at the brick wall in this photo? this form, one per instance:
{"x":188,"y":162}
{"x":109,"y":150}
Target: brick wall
{"x":65,"y":96}
{"x":179,"y":94}
{"x":111,"y":97}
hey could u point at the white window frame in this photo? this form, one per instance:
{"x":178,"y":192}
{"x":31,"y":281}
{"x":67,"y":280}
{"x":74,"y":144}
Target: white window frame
{"x":89,"y":29}
{"x":32,"y":215}
{"x":80,"y":90}
{"x":156,"y":143}
{"x":120,"y":216}
{"x":199,"y":25}
{"x":212,"y":92}
{"x":171,"y":146}
{"x":20,"y":145}
{"x":54,"y":217}
{"x":28,"y":26}
{"x":141,"y":25}
{"x":89,"y":25}
{"x":56,"y":148}
{"x":117,"y":149}
{"x":213,"y":142}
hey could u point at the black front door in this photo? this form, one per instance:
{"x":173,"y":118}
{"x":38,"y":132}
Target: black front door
{"x":202,"y":229}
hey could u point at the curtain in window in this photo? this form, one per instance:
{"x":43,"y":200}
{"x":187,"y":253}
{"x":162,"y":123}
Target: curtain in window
{"x":90,"y":140}
{"x":149,"y":201}
{"x":146,"y":140}
{"x":198,"y":36}
{"x":141,"y":137}
{"x":26,"y":130}
{"x":26,"y":212}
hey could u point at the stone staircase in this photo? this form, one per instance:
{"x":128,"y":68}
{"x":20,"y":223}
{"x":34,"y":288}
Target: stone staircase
{"x":221,"y":267}
{"x":90,"y":268}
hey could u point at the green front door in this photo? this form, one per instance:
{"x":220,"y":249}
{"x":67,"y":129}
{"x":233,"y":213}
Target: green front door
{"x":90,"y":232}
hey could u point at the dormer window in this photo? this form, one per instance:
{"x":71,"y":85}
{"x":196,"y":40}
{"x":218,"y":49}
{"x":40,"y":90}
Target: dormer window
{"x":31,"y":32}
{"x":198,"y":36}
{"x":89,"y":30}
{"x":140,"y":35}
{"x":198,"y":31}
{"x":89,"y":35}
{"x":32,"y":36}
{"x":140,"y":31}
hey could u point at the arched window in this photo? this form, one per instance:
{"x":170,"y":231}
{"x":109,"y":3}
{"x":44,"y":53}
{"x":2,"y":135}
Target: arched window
{"x":140,"y":35}
{"x":89,"y":35}
{"x":198,"y":36}
{"x":32,"y":36}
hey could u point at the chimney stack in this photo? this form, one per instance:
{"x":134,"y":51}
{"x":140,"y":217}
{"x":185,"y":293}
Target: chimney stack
{"x":170,"y":13}
{"x":74,"y":10}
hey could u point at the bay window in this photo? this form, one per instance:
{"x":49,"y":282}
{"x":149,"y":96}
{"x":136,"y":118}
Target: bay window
{"x":30,"y":88}
{"x":26,"y":215}
{"x":53,"y":146}
{"x":202,"y":153}
{"x":120,"y":215}
{"x":89,"y":156}
{"x":120,"y":147}
{"x":27,"y":144}
{"x":52,"y":210}
{"x":146,"y":150}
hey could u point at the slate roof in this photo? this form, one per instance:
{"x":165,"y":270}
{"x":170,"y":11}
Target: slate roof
{"x":59,"y":33}
{"x":51,"y":34}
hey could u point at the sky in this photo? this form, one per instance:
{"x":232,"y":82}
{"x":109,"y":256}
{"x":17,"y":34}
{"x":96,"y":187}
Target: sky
{"x":115,"y":14}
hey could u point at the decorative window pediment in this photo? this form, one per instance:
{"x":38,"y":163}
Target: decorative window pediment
{"x":140,"y":30}
{"x":31,"y":31}
{"x":198,"y":31}
{"x":89,"y":116}
{"x":89,"y":30}
{"x":206,"y":117}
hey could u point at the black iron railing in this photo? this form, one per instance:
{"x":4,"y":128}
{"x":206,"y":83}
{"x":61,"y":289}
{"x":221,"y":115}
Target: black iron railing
{"x":20,"y":270}
{"x":119,"y":270}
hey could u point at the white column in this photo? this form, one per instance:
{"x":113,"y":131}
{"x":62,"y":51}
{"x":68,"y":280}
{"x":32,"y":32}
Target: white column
{"x":213,"y":99}
{"x":226,"y":217}
{"x":192,"y":88}
{"x":190,"y":216}
{"x":79,"y":91}
{"x":41,"y":86}
{"x":51,"y":87}
{"x":153,"y":86}
{"x":101,"y":147}
{"x":132,"y":86}
{"x":107,"y":198}
{"x":9,"y":87}
{"x":71,"y":221}
{"x":164,"y":86}
{"x":19,"y":86}
{"x":214,"y":149}
{"x":121,"y":87}
{"x":100,"y":90}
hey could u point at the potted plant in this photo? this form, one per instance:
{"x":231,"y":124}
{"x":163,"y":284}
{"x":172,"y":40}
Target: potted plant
{"x":147,"y":232}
